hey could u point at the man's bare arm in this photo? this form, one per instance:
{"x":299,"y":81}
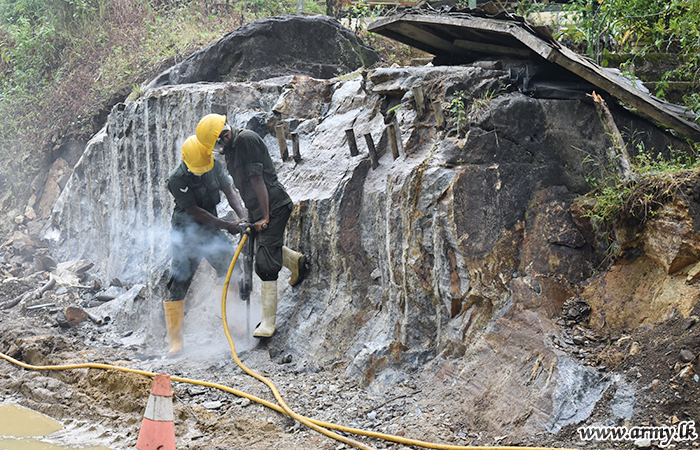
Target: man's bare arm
{"x":258,"y":184}
{"x":235,"y":203}
{"x":206,"y":218}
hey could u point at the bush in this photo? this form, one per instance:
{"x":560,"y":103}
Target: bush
{"x":63,"y":63}
{"x":638,"y":26}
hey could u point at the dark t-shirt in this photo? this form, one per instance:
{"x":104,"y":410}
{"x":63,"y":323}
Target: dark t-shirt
{"x":189,"y":189}
{"x":248,"y":156}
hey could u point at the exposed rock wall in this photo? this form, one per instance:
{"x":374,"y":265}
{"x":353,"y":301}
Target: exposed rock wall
{"x":462,"y":248}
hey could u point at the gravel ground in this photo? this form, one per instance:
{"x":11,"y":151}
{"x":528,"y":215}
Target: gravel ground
{"x":105,"y":407}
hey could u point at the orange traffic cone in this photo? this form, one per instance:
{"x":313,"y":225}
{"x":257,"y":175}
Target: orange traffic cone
{"x":158,"y":426}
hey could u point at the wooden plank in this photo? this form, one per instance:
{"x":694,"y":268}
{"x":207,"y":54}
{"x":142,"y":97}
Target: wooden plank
{"x":417,"y":33}
{"x":412,"y":42}
{"x":651,"y":106}
{"x":492,"y":49}
{"x":414,"y":27}
{"x":463,"y":21}
{"x":539,"y":46}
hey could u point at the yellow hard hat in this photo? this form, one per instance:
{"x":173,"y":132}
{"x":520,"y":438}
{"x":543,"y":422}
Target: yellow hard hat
{"x":197,"y":158}
{"x":209,"y":128}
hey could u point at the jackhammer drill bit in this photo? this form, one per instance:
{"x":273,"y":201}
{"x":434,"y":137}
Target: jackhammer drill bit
{"x":245,"y":282}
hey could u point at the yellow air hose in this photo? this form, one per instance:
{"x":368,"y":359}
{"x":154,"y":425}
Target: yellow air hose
{"x":257,"y":376}
{"x":317,"y":425}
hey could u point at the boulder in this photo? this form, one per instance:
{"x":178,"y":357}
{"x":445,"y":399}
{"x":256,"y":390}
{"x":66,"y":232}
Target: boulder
{"x":274,"y":47}
{"x":670,"y":238}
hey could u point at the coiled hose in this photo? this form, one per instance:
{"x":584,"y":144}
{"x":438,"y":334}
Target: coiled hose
{"x":317,"y":425}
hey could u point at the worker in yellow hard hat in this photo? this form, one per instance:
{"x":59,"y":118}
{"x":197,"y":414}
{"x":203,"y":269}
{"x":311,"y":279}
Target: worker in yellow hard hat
{"x":195,"y":184}
{"x":249,"y":163}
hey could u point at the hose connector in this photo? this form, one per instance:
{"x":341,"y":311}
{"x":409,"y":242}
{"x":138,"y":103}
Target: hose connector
{"x":246,"y":228}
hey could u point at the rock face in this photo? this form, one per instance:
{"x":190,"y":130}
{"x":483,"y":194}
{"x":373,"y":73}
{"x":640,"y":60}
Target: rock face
{"x":656,"y":276}
{"x":276,"y":46}
{"x":453,"y":258}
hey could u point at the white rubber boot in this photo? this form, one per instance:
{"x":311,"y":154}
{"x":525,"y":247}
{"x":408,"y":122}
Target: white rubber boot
{"x":269,"y":310}
{"x":296,"y":262}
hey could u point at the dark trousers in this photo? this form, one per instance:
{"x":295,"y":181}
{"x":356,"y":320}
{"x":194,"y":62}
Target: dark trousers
{"x":269,"y":242}
{"x":190,"y":245}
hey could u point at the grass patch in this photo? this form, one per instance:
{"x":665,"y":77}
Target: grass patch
{"x":613,"y":204}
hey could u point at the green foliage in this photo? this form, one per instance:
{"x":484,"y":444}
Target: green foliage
{"x":637,"y":26}
{"x":482,"y":102}
{"x":674,"y":162}
{"x":640,"y":28}
{"x":610,"y":195}
{"x":658,"y":179}
{"x":63,"y":62}
{"x":314,"y":7}
{"x":466,"y":4}
{"x":265,"y":8}
{"x":363,"y":13}
{"x":692,"y":102}
{"x":530,"y":8}
{"x":361,"y":9}
{"x":463,"y":107}
{"x":458,"y":111}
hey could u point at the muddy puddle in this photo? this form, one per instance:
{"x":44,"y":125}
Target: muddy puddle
{"x":24,"y":429}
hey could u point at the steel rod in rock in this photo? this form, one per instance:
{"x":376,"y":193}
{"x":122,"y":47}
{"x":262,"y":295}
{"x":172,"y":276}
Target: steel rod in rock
{"x":419,"y":99}
{"x":98,"y":320}
{"x":282,"y":141}
{"x":439,"y":115}
{"x":372,"y":150}
{"x":296,"y":154}
{"x":391,"y":129}
{"x":15,"y":301}
{"x":43,"y":305}
{"x":352,"y":143}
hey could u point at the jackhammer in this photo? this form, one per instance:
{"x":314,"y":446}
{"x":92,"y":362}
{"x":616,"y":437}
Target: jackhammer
{"x":245,"y":282}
